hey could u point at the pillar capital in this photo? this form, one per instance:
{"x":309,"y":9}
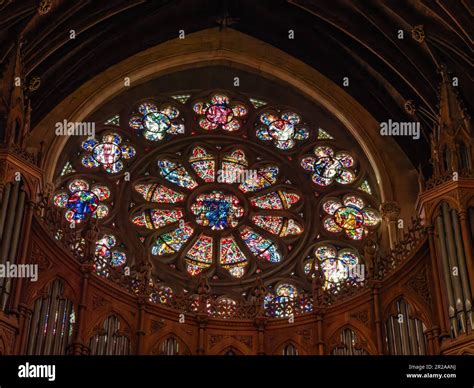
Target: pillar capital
{"x":390,"y":211}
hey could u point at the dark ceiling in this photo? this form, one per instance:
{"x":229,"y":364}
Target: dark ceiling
{"x":339,"y":38}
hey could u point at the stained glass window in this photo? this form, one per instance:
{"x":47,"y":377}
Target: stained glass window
{"x":221,"y":204}
{"x":287,"y":290}
{"x":67,"y":169}
{"x":219,"y":112}
{"x":155,"y":123}
{"x":337,"y":266}
{"x":158,"y":193}
{"x":234,"y":165}
{"x":114,"y":120}
{"x":262,"y":178}
{"x":364,"y":186}
{"x":327,"y":166}
{"x":203,"y":164}
{"x":350,"y":215}
{"x":257,"y":103}
{"x":171,"y":242}
{"x":280,"y":226}
{"x":109,"y":152}
{"x":107,"y":255}
{"x":199,"y":257}
{"x":217,"y":210}
{"x":260,"y":246}
{"x":176,"y":173}
{"x":161,"y":294}
{"x":231,"y":257}
{"x":322,"y":135}
{"x":208,"y":228}
{"x":157,"y":218}
{"x":182,"y":98}
{"x":82,"y":201}
{"x":275,"y":200}
{"x":284,"y":129}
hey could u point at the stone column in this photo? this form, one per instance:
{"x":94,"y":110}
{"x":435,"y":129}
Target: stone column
{"x":390,"y":213}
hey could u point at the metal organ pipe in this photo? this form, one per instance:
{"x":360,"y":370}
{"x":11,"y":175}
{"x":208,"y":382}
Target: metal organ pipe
{"x":453,"y":263}
{"x":441,"y":243}
{"x":3,"y":213}
{"x":17,"y":227}
{"x":10,"y":219}
{"x":462,"y":266}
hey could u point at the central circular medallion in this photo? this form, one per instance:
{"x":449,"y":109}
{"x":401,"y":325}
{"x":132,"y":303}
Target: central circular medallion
{"x":348,"y":217}
{"x":217,"y":210}
{"x":107,"y":153}
{"x":281,"y":130}
{"x":157,"y":122}
{"x":219,"y":114}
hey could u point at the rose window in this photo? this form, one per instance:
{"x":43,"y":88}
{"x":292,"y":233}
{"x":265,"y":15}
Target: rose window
{"x":202,"y":200}
{"x":220,"y":113}
{"x":284,"y":130}
{"x":328,"y":166}
{"x":220,"y":211}
{"x":351,"y":216}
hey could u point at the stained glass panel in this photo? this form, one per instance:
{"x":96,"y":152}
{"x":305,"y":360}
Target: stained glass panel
{"x":217,"y":210}
{"x":199,"y":256}
{"x":172,"y":242}
{"x":231,"y":257}
{"x":158,"y":193}
{"x":203,"y":164}
{"x":157,"y":218}
{"x":176,"y":173}
{"x":260,"y":246}
{"x":264,"y":177}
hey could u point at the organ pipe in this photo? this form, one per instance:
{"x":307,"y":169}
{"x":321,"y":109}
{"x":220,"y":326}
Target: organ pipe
{"x":446,"y":272}
{"x":452,"y":257}
{"x":3,"y":214}
{"x":462,"y":265}
{"x":49,"y":326}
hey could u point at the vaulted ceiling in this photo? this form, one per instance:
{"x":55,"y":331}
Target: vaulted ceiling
{"x":341,"y":38}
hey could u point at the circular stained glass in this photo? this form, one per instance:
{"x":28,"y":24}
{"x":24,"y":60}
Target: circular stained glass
{"x":156,"y":122}
{"x":328,"y":168}
{"x":107,"y":153}
{"x":348,"y":218}
{"x":219,"y":114}
{"x":281,"y":130}
{"x":118,"y":258}
{"x":82,"y":203}
{"x":217,"y":210}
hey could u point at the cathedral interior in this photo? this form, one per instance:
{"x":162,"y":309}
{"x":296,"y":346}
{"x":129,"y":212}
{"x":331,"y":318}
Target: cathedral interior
{"x":210,"y":177}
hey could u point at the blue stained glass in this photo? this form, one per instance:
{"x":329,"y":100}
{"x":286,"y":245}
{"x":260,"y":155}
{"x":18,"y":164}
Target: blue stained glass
{"x":82,"y":203}
{"x":217,"y":210}
{"x":260,"y":246}
{"x":176,"y":173}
